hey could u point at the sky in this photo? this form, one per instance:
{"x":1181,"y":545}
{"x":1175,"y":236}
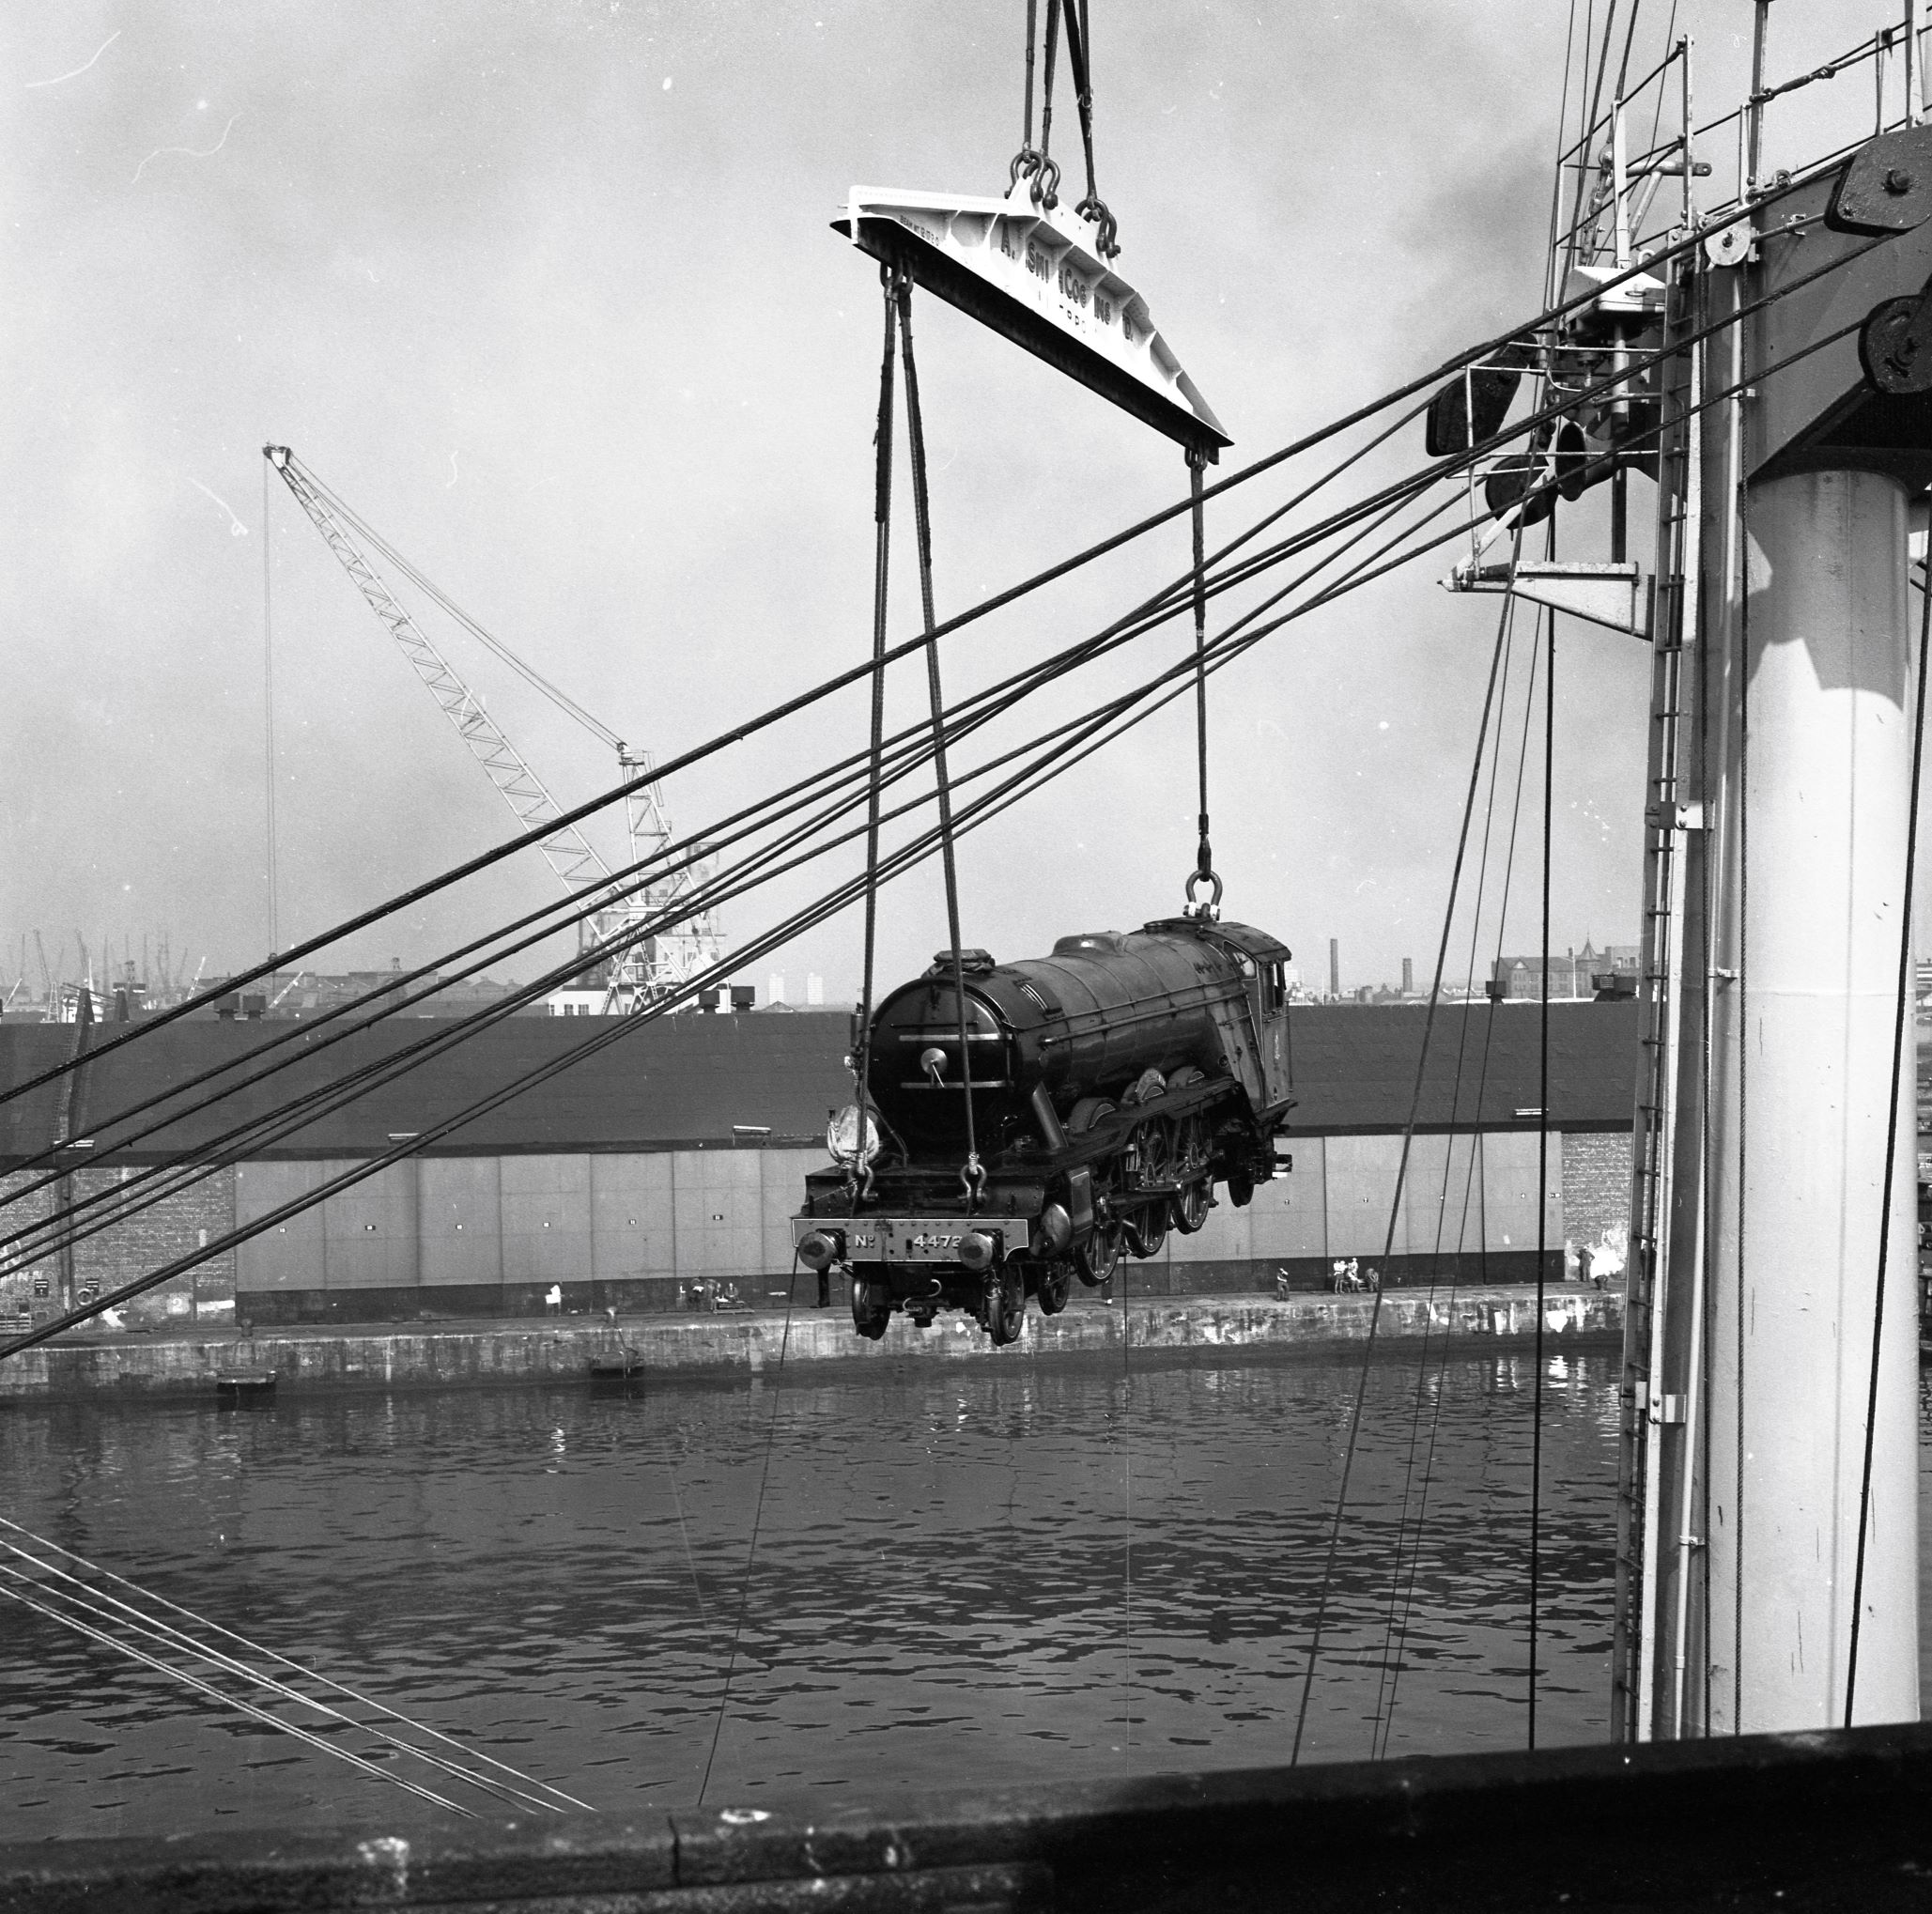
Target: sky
{"x":547,"y":293}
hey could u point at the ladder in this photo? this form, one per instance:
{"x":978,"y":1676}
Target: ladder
{"x":1667,"y":818}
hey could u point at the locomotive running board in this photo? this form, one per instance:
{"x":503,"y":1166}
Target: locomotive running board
{"x":1038,"y":279}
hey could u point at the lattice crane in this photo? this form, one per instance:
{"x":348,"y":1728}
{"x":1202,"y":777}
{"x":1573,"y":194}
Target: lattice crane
{"x":647,"y":969}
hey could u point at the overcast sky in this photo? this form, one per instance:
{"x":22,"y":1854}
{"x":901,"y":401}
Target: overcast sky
{"x":547,"y":292}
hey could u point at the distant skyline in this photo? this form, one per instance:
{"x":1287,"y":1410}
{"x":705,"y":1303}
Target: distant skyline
{"x":547,"y":293}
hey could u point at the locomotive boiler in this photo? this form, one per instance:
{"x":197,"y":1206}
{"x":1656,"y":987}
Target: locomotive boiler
{"x":1114,"y":1084}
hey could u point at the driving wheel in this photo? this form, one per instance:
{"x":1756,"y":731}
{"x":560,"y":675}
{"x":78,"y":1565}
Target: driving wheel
{"x":1189,"y":1209}
{"x":1097,"y":1260}
{"x":1147,"y":1226}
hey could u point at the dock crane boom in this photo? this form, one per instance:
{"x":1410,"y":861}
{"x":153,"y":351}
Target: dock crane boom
{"x":646,"y":969}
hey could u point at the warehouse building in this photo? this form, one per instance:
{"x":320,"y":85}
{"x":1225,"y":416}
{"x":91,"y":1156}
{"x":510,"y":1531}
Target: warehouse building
{"x":663,"y":1170}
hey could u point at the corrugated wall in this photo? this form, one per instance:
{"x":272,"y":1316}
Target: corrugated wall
{"x":494,"y":1234}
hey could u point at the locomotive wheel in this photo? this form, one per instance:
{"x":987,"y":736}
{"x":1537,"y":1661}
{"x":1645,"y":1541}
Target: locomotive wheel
{"x":1006,"y":1305}
{"x":869,"y":1317}
{"x":1147,"y":1226}
{"x":1189,"y":1209}
{"x":1054,"y":1281}
{"x":1097,"y":1260}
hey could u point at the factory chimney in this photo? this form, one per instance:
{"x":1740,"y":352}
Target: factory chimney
{"x":1408,"y":977}
{"x":1334,"y":966}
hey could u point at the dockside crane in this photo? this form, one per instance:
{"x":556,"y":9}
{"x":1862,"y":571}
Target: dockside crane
{"x":648,"y":968}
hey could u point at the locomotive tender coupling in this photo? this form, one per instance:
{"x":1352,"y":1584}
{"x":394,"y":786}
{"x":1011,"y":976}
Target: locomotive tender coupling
{"x":1115,"y":1085}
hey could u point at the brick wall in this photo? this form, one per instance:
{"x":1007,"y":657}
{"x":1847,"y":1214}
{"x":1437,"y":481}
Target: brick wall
{"x":172,"y":1228}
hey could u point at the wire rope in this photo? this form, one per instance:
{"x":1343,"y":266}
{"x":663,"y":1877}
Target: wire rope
{"x":166,"y":1635}
{"x":972,"y":1175}
{"x":839,"y":681}
{"x":1357,"y":579}
{"x":307,"y":1673}
{"x":724,"y":1694}
{"x":1535,"y":1466}
{"x":269,"y":719}
{"x":1483,"y":1068}
{"x":266,"y":1716}
{"x":358,"y":1082}
{"x":1898,"y":1027}
{"x":1395,"y":1211}
{"x":1394,"y":1636}
{"x":1204,"y":849}
{"x":882,"y":519}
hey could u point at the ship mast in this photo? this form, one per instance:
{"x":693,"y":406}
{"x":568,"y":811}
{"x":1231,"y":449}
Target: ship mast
{"x":1767,"y":1525}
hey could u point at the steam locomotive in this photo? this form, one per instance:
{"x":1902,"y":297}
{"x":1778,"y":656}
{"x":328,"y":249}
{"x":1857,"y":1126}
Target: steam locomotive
{"x":1114,"y":1084}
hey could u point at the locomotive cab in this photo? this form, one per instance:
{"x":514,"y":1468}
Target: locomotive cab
{"x":1262,"y":962}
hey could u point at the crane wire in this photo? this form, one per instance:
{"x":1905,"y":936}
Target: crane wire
{"x":1360,"y":577}
{"x":268,"y":720}
{"x":266,"y":1716}
{"x":841,"y":680}
{"x":1408,"y":1138}
{"x":771,"y":1423}
{"x":391,"y":1002}
{"x":302,"y":1112}
{"x":102,"y":1607}
{"x":972,"y":1175}
{"x":1905,"y":981}
{"x":307,"y":1673}
{"x":1548,"y":619}
{"x":1204,"y":849}
{"x":1054,"y":761}
{"x":474,"y":626}
{"x":464,"y":1027}
{"x":882,"y":519}
{"x":1482,"y":1090}
{"x":1384,"y":1704}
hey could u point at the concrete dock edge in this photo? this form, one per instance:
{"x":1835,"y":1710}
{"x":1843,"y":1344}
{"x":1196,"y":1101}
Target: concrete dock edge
{"x":554,"y":1350}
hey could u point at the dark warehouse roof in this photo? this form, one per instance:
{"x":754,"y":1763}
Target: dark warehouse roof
{"x":1354,"y":1065}
{"x":672,"y":1083}
{"x":712,"y":1081}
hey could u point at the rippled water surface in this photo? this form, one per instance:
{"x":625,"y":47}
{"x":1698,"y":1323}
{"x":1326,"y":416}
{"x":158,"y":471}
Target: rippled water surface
{"x":1018,"y":1572}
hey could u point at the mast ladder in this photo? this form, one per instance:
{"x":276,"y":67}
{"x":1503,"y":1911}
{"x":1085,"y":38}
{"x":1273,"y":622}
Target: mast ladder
{"x":1655,"y":1122}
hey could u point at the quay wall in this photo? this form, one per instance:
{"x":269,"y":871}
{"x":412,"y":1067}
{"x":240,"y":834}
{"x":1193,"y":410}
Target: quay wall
{"x":315,"y":1360}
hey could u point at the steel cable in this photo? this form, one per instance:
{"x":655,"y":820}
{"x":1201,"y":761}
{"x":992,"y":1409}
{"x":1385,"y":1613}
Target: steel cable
{"x":266,"y":1716}
{"x":162,"y":1634}
{"x":1905,"y":983}
{"x":1357,"y":579}
{"x":1395,"y":1211}
{"x":1481,"y":1093}
{"x":283,"y":959}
